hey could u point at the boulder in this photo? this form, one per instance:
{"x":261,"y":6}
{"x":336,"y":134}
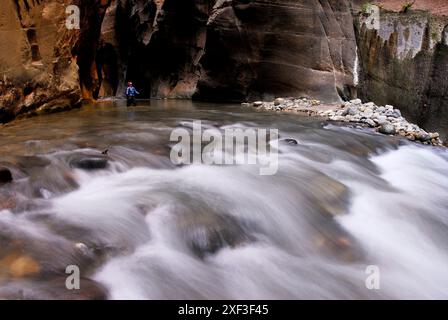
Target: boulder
{"x":387,"y":128}
{"x":356,"y":101}
{"x":290,"y":141}
{"x":349,"y":111}
{"x":94,"y":163}
{"x":423,"y":136}
{"x":279,"y":101}
{"x":205,"y":233}
{"x":5,"y":175}
{"x":370,"y":123}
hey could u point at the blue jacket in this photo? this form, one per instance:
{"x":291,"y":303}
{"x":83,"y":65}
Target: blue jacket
{"x":131,"y":91}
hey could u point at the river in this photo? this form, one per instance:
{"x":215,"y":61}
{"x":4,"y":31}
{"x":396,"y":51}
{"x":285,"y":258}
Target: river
{"x":343,"y":201}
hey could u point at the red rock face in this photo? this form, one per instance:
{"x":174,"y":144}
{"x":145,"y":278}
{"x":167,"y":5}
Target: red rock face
{"x":41,"y":59}
{"x":209,"y":49}
{"x":262,"y":49}
{"x":206,"y":49}
{"x":38,"y":72}
{"x":233,"y":50}
{"x":437,"y":7}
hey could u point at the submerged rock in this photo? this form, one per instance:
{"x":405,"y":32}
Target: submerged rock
{"x":290,"y":141}
{"x":96,"y":163}
{"x":5,"y":175}
{"x":206,"y":233}
{"x":52,"y":289}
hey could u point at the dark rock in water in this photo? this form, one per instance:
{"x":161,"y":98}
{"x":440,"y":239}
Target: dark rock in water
{"x":424,"y":137}
{"x":21,"y":256}
{"x":330,"y":196}
{"x":5,"y":175}
{"x":96,"y":163}
{"x":50,"y":181}
{"x":290,"y":141}
{"x":335,"y":242}
{"x":52,"y":289}
{"x":207,"y":233}
{"x":387,"y":128}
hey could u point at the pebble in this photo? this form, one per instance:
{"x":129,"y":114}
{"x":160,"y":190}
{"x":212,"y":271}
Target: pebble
{"x":385,"y":119}
{"x":279,"y":101}
{"x":370,"y":123}
{"x":387,"y":128}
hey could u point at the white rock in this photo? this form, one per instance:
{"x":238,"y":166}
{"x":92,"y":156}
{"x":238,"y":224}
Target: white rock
{"x":371,"y":123}
{"x":356,"y":101}
{"x":279,"y":101}
{"x":82,"y":247}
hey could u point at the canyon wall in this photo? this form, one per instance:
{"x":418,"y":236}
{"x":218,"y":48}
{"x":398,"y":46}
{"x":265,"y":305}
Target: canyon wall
{"x":39,"y":55}
{"x":404,"y":62}
{"x":226,"y":50}
{"x":229,"y":49}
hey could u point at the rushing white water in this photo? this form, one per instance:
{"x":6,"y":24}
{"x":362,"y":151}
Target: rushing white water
{"x":356,"y":69}
{"x":342,"y":200}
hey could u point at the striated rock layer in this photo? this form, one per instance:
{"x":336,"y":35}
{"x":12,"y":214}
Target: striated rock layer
{"x":228,"y":50}
{"x":40,"y":56}
{"x":404,"y":62}
{"x":282,"y":47}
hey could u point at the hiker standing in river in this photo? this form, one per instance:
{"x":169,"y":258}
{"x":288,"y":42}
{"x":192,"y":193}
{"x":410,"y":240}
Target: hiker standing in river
{"x":131,"y":92}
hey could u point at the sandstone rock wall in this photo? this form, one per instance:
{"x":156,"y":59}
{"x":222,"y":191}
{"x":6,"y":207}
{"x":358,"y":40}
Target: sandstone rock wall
{"x":230,"y":49}
{"x":405,"y":63}
{"x":290,"y":48}
{"x":43,"y":64}
{"x":222,"y":50}
{"x":37,"y":69}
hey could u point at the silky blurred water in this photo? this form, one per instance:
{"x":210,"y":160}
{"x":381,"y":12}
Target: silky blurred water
{"x":343,"y":199}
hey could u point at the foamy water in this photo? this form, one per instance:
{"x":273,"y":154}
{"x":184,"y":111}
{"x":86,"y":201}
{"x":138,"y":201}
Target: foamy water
{"x":343,"y":199}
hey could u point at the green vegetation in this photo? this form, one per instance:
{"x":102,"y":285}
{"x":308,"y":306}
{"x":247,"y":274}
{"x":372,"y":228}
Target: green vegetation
{"x":406,"y":7}
{"x":365,"y":7}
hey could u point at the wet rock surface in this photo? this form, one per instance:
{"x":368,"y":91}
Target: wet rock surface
{"x":205,"y":233}
{"x":403,"y":61}
{"x":93,"y":163}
